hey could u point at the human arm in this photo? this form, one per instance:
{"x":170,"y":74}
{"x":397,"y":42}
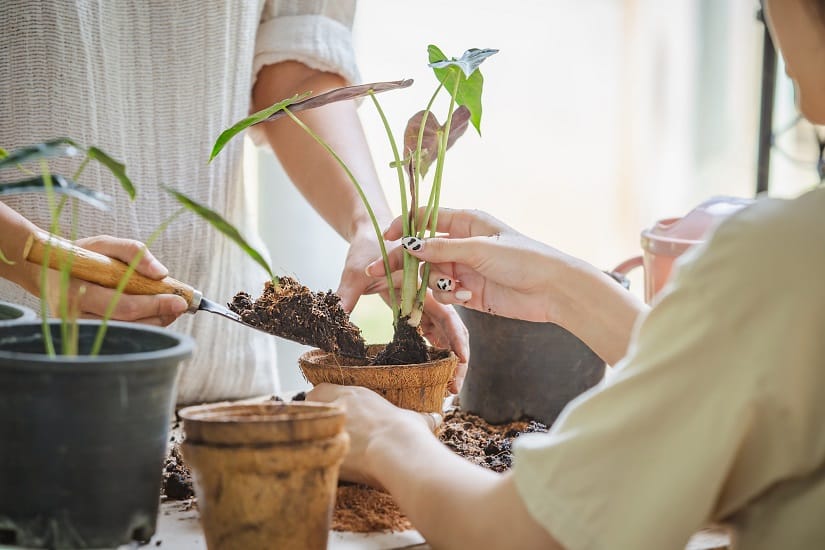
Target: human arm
{"x":92,"y":301}
{"x":509,"y":274}
{"x":328,"y":189}
{"x":454,"y":505}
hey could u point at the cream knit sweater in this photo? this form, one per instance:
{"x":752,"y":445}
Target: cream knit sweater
{"x":153,"y":83}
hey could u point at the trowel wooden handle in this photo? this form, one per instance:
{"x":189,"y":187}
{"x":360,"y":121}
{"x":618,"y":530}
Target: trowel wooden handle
{"x":102,"y":270}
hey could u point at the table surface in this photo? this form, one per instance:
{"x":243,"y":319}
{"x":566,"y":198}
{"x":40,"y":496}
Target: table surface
{"x":179,"y":529}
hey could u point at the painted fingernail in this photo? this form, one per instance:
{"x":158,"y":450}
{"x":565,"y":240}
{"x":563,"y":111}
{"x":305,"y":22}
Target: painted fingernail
{"x":412,"y":243}
{"x":463,"y":295}
{"x":445,"y":284}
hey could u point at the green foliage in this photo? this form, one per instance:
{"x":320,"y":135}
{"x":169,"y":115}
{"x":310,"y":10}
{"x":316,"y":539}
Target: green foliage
{"x":219,"y":223}
{"x":425,"y":142}
{"x":465,"y":86}
{"x":55,"y":184}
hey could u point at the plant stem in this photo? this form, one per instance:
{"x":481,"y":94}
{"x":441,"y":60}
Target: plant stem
{"x":435,"y":194}
{"x":44,"y":269}
{"x":379,"y":234}
{"x":110,"y":308}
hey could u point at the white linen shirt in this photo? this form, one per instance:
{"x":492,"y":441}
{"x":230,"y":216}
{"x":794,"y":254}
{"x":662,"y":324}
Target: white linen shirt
{"x":153,"y":84}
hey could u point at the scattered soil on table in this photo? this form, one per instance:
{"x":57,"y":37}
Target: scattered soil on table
{"x":292,"y":311}
{"x":484,"y":444}
{"x":406,"y":348}
{"x":362,"y":509}
{"x":177,"y":479}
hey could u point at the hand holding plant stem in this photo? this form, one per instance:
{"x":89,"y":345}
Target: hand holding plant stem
{"x":425,"y":142}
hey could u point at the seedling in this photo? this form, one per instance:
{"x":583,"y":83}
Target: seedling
{"x":425,"y":143}
{"x":53,"y":185}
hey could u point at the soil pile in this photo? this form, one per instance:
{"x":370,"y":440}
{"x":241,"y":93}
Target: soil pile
{"x":484,"y":444}
{"x":362,"y":509}
{"x":292,"y":311}
{"x":406,"y":348}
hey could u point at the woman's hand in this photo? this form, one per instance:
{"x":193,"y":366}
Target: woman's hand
{"x":441,"y":325}
{"x":89,"y":300}
{"x":484,"y":264}
{"x":369,"y":417}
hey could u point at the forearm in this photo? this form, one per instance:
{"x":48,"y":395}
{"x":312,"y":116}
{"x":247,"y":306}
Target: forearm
{"x":14,"y":233}
{"x":312,"y":169}
{"x":596,"y":309}
{"x":453,"y":503}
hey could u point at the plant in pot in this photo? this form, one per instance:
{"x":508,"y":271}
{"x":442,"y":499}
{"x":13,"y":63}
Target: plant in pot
{"x":84,"y":405}
{"x":406,"y":371}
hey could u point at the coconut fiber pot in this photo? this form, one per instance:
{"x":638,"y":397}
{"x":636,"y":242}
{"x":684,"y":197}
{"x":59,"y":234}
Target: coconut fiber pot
{"x":84,"y":438}
{"x":265,"y":473}
{"x":421,"y":387}
{"x":521,"y":369}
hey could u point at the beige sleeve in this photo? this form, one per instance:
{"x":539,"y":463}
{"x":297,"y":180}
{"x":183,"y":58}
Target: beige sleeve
{"x":640,"y":461}
{"x":317,"y":33}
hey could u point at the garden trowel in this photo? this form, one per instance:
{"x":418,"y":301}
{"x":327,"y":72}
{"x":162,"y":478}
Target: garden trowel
{"x":108,"y":272}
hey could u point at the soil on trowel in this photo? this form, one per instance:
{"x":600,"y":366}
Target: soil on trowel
{"x":406,"y":348}
{"x":292,"y":311}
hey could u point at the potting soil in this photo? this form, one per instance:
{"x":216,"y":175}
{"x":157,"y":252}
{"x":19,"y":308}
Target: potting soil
{"x":362,"y":509}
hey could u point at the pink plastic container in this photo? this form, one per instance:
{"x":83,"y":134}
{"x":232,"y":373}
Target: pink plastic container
{"x":669,"y":238}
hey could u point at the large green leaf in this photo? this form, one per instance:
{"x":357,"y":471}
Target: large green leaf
{"x":3,"y":153}
{"x":303,"y":102}
{"x":448,"y":71}
{"x":61,"y":147}
{"x":429,"y":141}
{"x":118,"y":169}
{"x":341,"y":94}
{"x":61,"y":185}
{"x":245,"y":123}
{"x":218,"y":222}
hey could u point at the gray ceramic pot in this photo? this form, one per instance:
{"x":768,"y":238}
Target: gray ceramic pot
{"x":14,"y":313}
{"x":84,"y":438}
{"x":521,"y":369}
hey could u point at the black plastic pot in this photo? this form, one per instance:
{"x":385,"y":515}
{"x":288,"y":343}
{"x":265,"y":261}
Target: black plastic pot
{"x":83,"y":439}
{"x":14,"y":313}
{"x":520,"y":369}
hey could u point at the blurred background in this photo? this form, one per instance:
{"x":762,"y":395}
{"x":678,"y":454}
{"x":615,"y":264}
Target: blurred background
{"x":600,"y":117}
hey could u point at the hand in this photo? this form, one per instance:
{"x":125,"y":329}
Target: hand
{"x":485,"y":264}
{"x":363,"y":248}
{"x":89,"y":300}
{"x":369,"y":417}
{"x":443,"y":328}
{"x":441,"y":324}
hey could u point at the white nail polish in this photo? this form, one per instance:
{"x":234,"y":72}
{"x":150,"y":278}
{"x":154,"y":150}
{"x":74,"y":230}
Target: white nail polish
{"x":463,"y":295}
{"x":445,"y":284}
{"x":412,"y":243}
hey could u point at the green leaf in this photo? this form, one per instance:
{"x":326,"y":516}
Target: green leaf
{"x":303,"y":102}
{"x":61,"y":147}
{"x":3,"y":153}
{"x":118,"y":169}
{"x":255,"y":118}
{"x":468,"y":62}
{"x":61,"y":185}
{"x":341,"y":94}
{"x":448,"y":71}
{"x":429,"y":142}
{"x":219,"y":223}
